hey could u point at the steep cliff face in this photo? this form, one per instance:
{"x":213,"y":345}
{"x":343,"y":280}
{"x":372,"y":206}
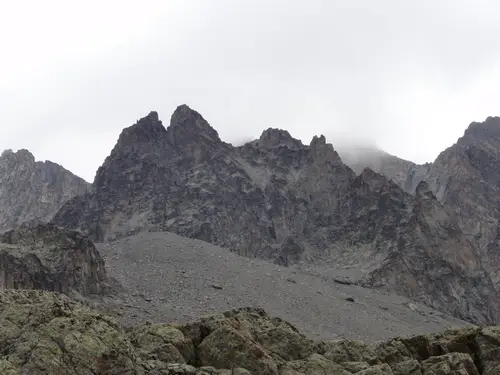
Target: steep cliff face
{"x":434,"y":263}
{"x":32,"y":190}
{"x":42,"y":256}
{"x":465,"y":178}
{"x":284,"y":201}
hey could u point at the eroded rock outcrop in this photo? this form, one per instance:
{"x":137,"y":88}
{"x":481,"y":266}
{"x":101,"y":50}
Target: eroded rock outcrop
{"x":46,"y":333}
{"x":43,"y":256}
{"x":32,"y":190}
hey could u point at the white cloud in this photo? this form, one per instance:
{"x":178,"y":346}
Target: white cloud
{"x":409,"y":76}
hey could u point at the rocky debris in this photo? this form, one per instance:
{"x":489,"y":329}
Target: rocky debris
{"x":31,"y":190}
{"x":47,"y":333}
{"x":177,"y":272}
{"x":43,"y":256}
{"x":280,"y":200}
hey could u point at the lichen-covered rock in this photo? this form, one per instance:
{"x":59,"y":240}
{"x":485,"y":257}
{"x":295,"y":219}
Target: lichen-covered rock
{"x":409,"y":367}
{"x":315,"y":364}
{"x":383,"y":369}
{"x":163,"y":342}
{"x":44,"y":333}
{"x":7,"y":368}
{"x":450,"y":364}
{"x":348,"y":351}
{"x":225,"y":347}
{"x":354,"y":367}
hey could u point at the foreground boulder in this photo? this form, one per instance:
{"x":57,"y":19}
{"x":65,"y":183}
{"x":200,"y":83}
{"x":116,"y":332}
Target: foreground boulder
{"x":43,"y":256}
{"x":48,"y":333}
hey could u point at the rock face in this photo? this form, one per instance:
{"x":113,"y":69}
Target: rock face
{"x":46,"y":333}
{"x":49,"y":258}
{"x":281,"y":200}
{"x":465,"y":177}
{"x":32,"y":190}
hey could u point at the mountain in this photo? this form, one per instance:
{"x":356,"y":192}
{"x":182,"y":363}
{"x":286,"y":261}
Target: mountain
{"x":465,"y":180}
{"x":32,"y":190}
{"x":42,"y":256}
{"x":360,"y":157}
{"x":278,"y":199}
{"x":48,"y":333}
{"x":465,"y":177}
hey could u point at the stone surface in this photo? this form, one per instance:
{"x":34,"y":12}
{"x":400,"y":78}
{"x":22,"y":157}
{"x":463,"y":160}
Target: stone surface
{"x":278,"y":199}
{"x":43,"y":256}
{"x":47,"y":333}
{"x":31,"y":190}
{"x":464,"y":178}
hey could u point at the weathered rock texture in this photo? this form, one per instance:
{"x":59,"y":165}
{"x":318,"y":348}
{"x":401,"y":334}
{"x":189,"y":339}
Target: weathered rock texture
{"x":465,"y":179}
{"x":32,"y":190}
{"x":45,"y":333}
{"x":278,"y":199}
{"x":45,"y":257}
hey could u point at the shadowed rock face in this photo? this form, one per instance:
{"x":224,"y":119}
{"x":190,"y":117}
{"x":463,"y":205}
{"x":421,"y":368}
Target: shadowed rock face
{"x":278,"y":199}
{"x":46,"y":333}
{"x":49,"y":258}
{"x":32,"y":190}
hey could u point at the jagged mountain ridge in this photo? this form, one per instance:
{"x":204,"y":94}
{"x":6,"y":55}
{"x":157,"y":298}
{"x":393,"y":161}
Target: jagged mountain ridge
{"x":278,"y":199}
{"x":31,"y":190}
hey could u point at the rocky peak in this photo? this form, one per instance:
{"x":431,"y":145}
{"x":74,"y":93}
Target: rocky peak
{"x":188,"y":127}
{"x":20,"y":156}
{"x":146,"y":130}
{"x":490,"y":128}
{"x":323,"y":152}
{"x":273,"y":137}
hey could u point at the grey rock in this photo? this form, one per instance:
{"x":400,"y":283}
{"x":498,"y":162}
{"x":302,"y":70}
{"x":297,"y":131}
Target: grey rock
{"x":32,"y":190}
{"x":45,"y":257}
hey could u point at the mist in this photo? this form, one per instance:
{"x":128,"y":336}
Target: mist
{"x":406,"y":77}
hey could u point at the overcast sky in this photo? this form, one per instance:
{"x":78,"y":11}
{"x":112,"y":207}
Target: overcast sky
{"x":408,"y":76}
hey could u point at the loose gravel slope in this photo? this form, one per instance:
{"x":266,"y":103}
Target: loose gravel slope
{"x":172,"y":278}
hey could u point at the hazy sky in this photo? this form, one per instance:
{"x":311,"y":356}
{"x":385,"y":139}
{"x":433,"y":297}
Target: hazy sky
{"x":406,"y":75}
